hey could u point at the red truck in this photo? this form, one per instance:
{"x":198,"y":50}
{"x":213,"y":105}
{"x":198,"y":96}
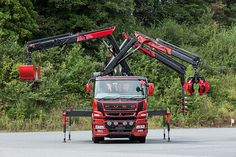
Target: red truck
{"x":119,"y":105}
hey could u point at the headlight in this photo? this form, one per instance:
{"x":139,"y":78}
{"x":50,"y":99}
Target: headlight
{"x":131,"y":123}
{"x":124,"y":123}
{"x":99,"y":127}
{"x":143,"y":115}
{"x":115,"y":123}
{"x":140,"y":127}
{"x":109,"y":123}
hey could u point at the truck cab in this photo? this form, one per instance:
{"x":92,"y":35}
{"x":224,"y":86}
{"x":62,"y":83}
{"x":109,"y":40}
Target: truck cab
{"x":119,"y":107}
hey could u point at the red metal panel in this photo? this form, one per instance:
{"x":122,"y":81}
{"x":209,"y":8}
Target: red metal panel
{"x":204,"y":87}
{"x":97,"y":34}
{"x":188,"y":87}
{"x":125,"y":78}
{"x":152,"y":43}
{"x":29,"y":72}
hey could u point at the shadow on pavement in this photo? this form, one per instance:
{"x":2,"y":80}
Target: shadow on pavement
{"x":126,"y":141}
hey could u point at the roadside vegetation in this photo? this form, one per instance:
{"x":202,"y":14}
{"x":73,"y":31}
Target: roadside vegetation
{"x":204,"y":27}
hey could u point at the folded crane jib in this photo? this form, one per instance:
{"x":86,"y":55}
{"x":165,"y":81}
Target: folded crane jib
{"x":164,"y":52}
{"x":31,"y":73}
{"x":167,"y":49}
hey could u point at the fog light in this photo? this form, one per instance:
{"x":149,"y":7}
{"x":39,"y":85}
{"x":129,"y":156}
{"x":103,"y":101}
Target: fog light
{"x":140,"y":126}
{"x":115,"y":123}
{"x":143,"y":115}
{"x":131,"y":123}
{"x":109,"y":123}
{"x":99,"y":127}
{"x":124,"y":123}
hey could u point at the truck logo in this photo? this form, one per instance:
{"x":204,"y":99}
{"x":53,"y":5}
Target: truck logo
{"x":119,"y":106}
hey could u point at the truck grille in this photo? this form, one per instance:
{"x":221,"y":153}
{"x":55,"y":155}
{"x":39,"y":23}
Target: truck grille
{"x":116,"y":113}
{"x":120,"y":111}
{"x":113,"y":110}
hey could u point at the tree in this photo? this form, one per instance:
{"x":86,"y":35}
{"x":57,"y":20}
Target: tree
{"x":17,"y":18}
{"x":224,"y":11}
{"x":183,"y":11}
{"x":189,"y":11}
{"x":60,"y":16}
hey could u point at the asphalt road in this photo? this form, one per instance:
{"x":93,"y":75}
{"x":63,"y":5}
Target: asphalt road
{"x":212,"y":142}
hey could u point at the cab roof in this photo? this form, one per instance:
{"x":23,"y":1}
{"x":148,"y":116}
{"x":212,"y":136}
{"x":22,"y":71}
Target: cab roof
{"x":120,"y":78}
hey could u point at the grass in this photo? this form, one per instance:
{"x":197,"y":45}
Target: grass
{"x":54,"y":123}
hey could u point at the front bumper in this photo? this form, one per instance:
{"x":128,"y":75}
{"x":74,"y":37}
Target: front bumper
{"x":120,"y":130}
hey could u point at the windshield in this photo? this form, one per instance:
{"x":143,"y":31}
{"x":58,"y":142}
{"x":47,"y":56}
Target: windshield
{"x":120,"y":89}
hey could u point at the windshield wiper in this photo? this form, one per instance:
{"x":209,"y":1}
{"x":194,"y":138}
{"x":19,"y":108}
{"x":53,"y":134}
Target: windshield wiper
{"x":109,"y":97}
{"x":136,"y":97}
{"x":122,"y":97}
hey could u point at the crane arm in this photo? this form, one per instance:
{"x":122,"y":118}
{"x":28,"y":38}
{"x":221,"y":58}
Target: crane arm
{"x":161,"y":51}
{"x":167,"y":48}
{"x":69,"y":38}
{"x":158,"y":46}
{"x":66,"y":39}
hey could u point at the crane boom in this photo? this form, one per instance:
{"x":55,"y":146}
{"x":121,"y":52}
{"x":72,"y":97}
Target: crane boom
{"x":159,"y":49}
{"x":68,"y":38}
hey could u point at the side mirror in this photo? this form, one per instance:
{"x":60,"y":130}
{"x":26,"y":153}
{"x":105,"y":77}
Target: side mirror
{"x":88,"y":88}
{"x":29,"y":73}
{"x":150,"y":89}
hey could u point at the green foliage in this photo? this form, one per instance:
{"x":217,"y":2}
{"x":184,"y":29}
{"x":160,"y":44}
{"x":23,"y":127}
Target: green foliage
{"x":224,"y":11}
{"x":60,"y":16}
{"x":17,"y":18}
{"x":221,"y":48}
{"x":65,"y":71}
{"x":184,"y":11}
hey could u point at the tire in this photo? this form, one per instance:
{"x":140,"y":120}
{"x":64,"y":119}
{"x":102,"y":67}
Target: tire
{"x":132,"y":139}
{"x":97,"y":139}
{"x":142,"y":139}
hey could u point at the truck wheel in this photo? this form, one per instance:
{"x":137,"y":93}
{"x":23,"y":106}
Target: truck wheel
{"x":142,"y":139}
{"x":97,"y":139}
{"x":132,"y":139}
